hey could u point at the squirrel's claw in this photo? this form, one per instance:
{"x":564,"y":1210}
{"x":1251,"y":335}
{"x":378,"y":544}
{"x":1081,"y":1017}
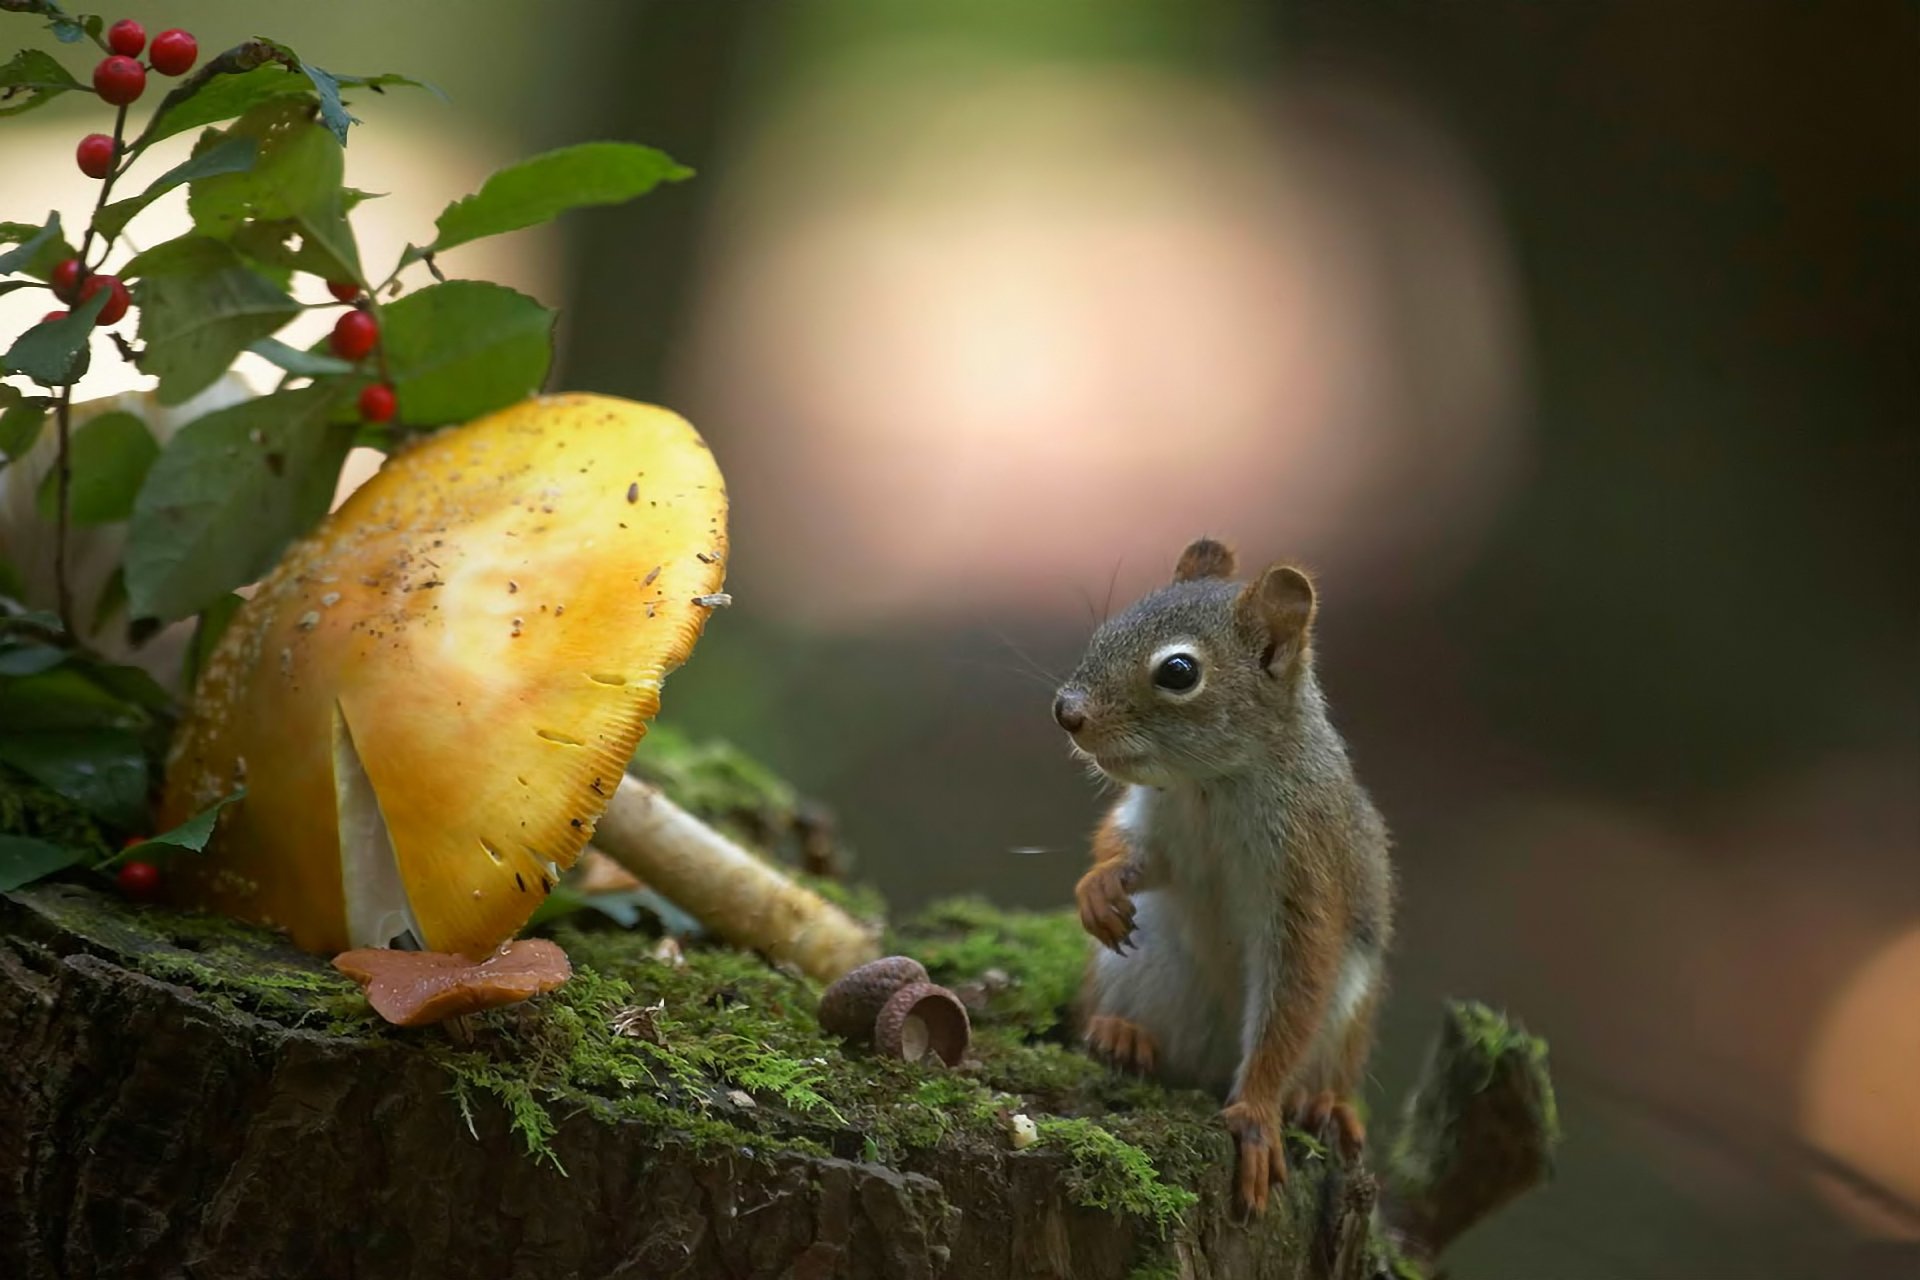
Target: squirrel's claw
{"x":1106,"y":908}
{"x":1262,"y":1155}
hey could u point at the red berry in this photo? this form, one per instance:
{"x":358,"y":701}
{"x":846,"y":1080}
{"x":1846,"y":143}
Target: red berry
{"x":376,"y":402}
{"x":116,"y":305}
{"x":51,"y":316}
{"x":173,"y":52}
{"x":139,"y":879}
{"x":66,"y":280}
{"x":95,"y":155}
{"x":354,"y":335}
{"x":344,"y":290}
{"x":127,"y":37}
{"x":119,"y":80}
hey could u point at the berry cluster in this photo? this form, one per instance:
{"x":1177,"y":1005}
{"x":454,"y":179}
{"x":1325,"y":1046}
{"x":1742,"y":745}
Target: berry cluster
{"x":354,"y":337}
{"x":119,"y":79}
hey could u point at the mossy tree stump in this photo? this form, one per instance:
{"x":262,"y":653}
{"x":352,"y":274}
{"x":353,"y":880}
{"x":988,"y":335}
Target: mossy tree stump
{"x":181,"y":1095}
{"x":186,"y":1096}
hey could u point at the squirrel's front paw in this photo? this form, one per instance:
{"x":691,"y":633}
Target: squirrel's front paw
{"x":1262,"y":1154}
{"x":1105,"y":896}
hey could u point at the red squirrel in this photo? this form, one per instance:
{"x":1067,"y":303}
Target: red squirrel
{"x":1241,"y":884}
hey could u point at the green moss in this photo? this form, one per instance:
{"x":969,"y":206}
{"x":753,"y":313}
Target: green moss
{"x":235,"y":966}
{"x":1492,"y":1037}
{"x":1041,"y":955}
{"x":1111,"y":1173}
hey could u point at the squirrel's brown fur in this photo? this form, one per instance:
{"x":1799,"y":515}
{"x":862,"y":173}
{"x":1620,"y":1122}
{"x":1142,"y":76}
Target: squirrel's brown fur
{"x":1241,"y":884}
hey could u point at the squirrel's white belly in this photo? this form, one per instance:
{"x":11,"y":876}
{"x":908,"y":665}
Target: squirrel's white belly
{"x":1157,"y":984}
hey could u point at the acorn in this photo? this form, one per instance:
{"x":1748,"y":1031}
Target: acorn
{"x":923,"y":1020}
{"x":850,"y":1005}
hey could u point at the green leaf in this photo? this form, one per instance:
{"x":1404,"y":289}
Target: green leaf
{"x":132,"y":686}
{"x":104,"y":771}
{"x":54,"y":352}
{"x":546,"y":186}
{"x":32,"y":79}
{"x":21,"y":417}
{"x":295,"y":178}
{"x":112,"y":599}
{"x":24,"y":860}
{"x":222,"y":96}
{"x":28,"y":658}
{"x":463,"y":348}
{"x":200,"y":306}
{"x":229,"y":155}
{"x":206,"y":634}
{"x":227,"y":495}
{"x":110,"y":456}
{"x":40,"y":249}
{"x":63,"y":698}
{"x":306,"y":364}
{"x":332,"y":113}
{"x":191,"y":835}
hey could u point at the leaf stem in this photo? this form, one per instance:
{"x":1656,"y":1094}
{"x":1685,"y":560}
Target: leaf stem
{"x":62,"y":589}
{"x":106,"y":189}
{"x":63,"y":412}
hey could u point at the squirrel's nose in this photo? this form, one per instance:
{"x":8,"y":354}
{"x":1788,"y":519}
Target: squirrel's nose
{"x":1070,"y":710}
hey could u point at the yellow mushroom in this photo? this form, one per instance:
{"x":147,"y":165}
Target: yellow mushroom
{"x":432,"y":699}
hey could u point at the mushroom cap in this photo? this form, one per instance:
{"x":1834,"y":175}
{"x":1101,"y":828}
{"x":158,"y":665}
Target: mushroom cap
{"x":430,"y":699}
{"x":414,"y":988}
{"x":920,"y":1020}
{"x":850,"y":1004}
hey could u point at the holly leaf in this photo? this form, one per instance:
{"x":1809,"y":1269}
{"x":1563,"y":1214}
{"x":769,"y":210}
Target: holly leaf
{"x":104,"y":771}
{"x":32,"y":79}
{"x":109,"y":456}
{"x":191,"y":835}
{"x":537,"y":190}
{"x":24,"y":860}
{"x":21,"y":417}
{"x":39,"y":250}
{"x":200,"y":306}
{"x":295,"y":179}
{"x":213,"y":95}
{"x":228,"y":155}
{"x":333,"y":113}
{"x":206,"y":634}
{"x":463,"y":348}
{"x":227,"y":495}
{"x":305,"y":364}
{"x":54,"y":353}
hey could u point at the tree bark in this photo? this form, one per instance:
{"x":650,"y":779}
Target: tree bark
{"x":155,"y":1120}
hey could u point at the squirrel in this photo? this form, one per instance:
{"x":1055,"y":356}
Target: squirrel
{"x":1241,"y":884}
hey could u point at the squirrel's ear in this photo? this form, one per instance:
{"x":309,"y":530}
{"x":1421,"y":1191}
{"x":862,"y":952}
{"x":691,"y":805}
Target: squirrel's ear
{"x":1280,"y":607}
{"x":1204,"y":558}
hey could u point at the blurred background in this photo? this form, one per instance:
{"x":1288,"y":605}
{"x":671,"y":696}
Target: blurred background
{"x":1572,"y":344}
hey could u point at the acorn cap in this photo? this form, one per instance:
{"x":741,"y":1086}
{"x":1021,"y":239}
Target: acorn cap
{"x":431,"y":698}
{"x":921,"y":1020}
{"x":849,"y":1006}
{"x":414,"y":988}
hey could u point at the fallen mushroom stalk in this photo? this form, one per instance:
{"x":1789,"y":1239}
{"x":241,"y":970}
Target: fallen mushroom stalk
{"x":740,"y":897}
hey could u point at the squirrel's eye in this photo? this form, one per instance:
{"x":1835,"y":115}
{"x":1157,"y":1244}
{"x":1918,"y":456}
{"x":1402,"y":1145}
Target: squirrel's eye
{"x":1177,"y":673}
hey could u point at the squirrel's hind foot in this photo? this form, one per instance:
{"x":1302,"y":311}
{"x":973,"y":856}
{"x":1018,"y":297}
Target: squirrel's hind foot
{"x":1122,"y":1044}
{"x":1315,"y":1112}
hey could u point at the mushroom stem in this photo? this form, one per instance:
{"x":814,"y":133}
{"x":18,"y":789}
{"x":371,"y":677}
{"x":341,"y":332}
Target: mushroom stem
{"x":737,"y":895}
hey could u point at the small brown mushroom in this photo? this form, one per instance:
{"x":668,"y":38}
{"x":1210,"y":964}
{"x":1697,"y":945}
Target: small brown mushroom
{"x":414,"y":988}
{"x":849,"y":1006}
{"x":921,"y":1019}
